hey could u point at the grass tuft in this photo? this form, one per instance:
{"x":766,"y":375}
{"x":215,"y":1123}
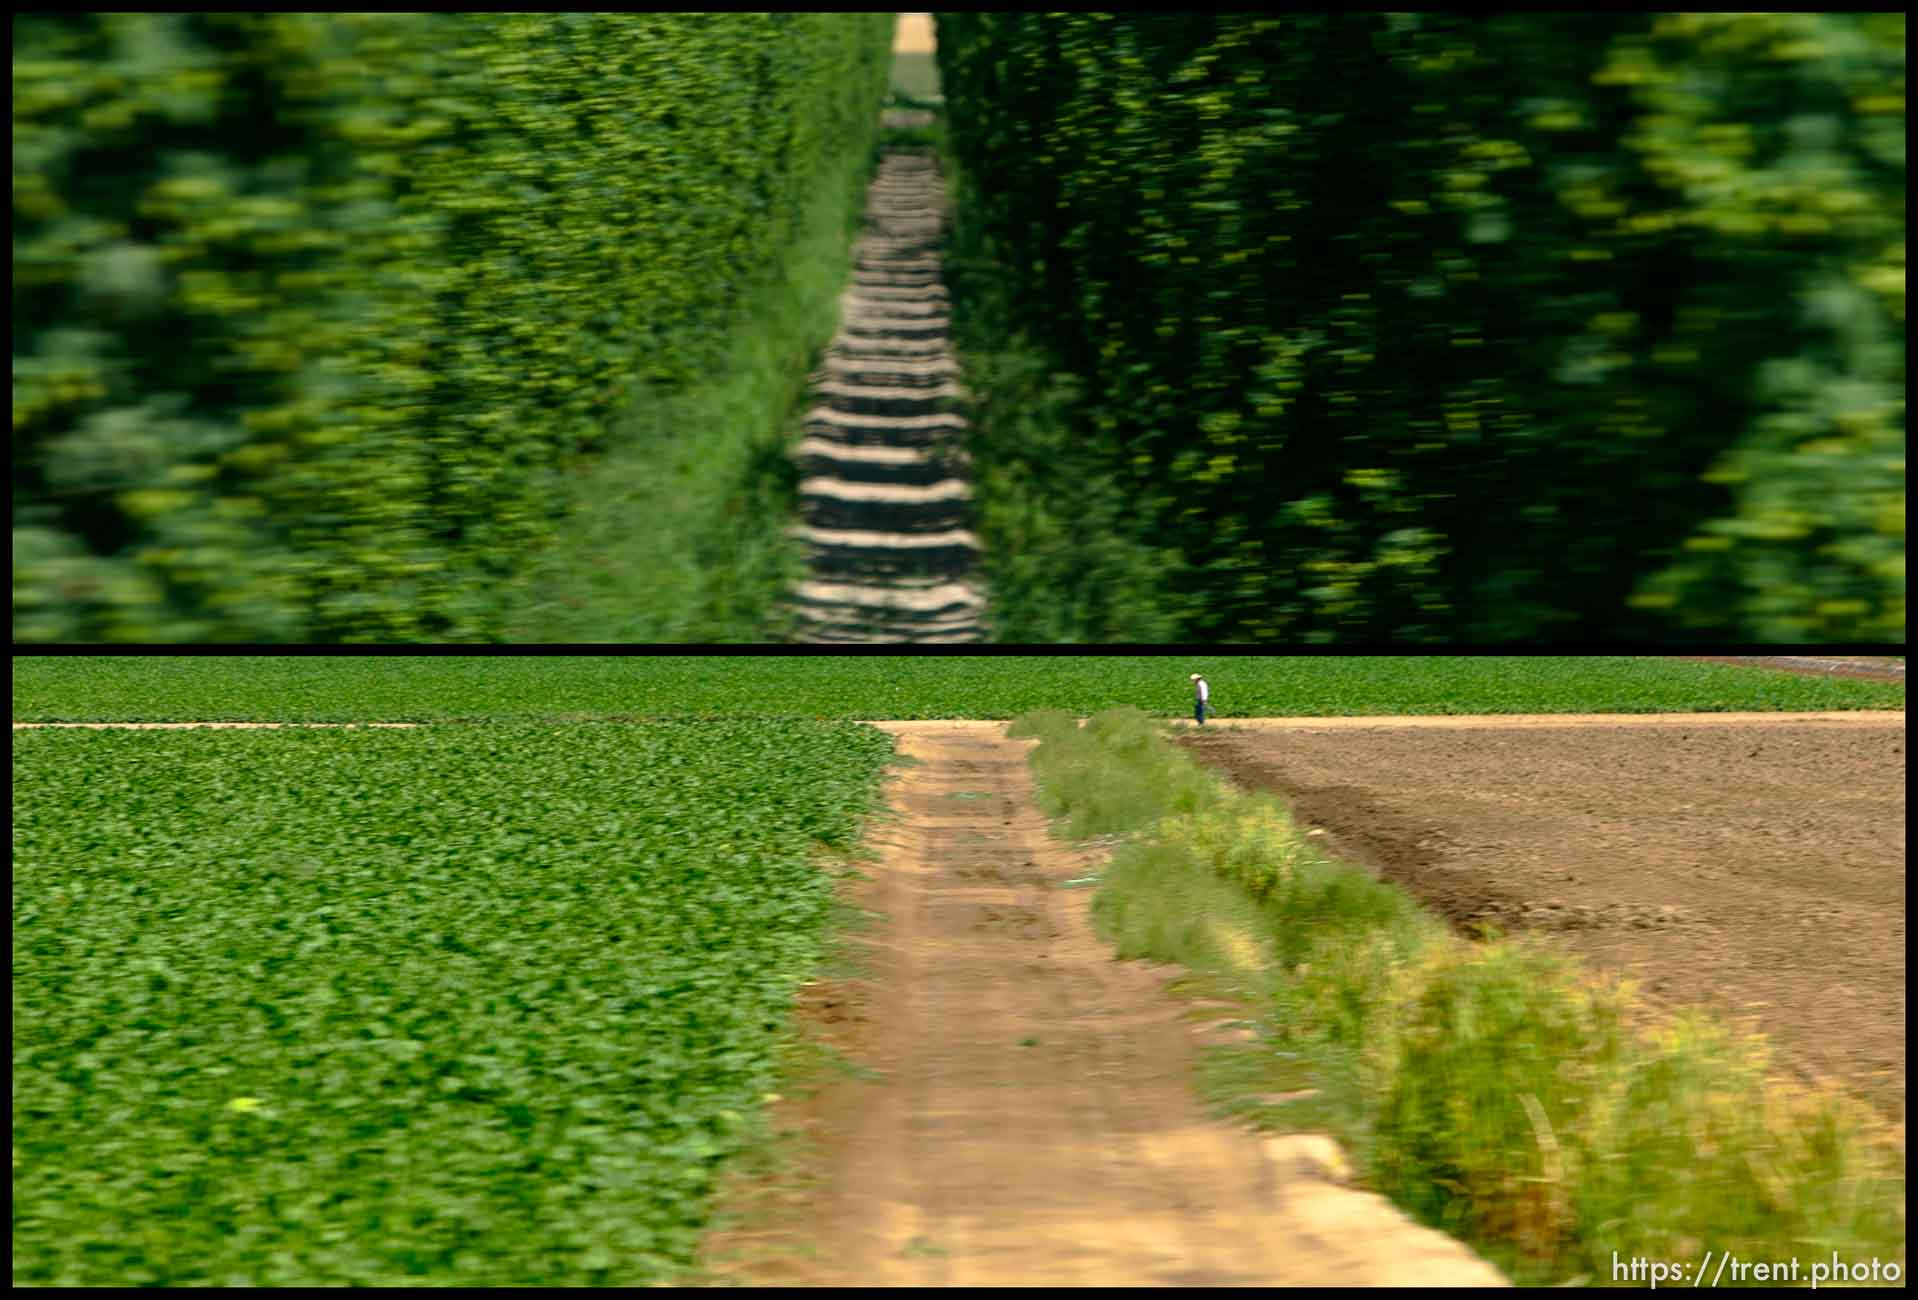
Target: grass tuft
{"x":1101,"y":797}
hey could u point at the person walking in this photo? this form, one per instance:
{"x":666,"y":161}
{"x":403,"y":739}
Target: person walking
{"x":1201,"y":693}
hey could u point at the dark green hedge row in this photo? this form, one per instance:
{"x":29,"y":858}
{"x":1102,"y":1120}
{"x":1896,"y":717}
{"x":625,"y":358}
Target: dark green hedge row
{"x":1529,"y":326}
{"x":310,"y":308}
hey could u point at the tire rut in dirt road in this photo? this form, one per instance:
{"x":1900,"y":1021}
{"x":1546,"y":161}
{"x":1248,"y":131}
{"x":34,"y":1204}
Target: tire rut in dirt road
{"x":1033,"y":1119}
{"x":885,"y":489}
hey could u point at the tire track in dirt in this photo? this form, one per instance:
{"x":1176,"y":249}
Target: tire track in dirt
{"x":1034,"y":1120}
{"x":885,"y":489}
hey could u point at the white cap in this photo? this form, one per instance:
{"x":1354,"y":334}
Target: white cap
{"x":1195,"y":677}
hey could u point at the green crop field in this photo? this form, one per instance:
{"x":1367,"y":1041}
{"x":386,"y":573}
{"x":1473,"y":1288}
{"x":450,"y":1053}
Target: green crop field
{"x":338,"y":689}
{"x":488,"y":1004}
{"x":467,"y":1006}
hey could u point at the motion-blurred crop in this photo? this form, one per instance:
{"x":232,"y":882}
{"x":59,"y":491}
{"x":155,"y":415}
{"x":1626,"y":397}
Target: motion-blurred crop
{"x":312,"y":312}
{"x":450,"y":1006}
{"x":1426,"y":327}
{"x":1304,"y":328}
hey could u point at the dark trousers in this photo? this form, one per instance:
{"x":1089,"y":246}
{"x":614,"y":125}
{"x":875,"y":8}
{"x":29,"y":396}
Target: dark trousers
{"x":1198,"y":712}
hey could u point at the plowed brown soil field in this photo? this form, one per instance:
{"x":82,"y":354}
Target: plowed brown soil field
{"x":1748,"y":863}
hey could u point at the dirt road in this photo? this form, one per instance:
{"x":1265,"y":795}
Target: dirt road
{"x":1033,"y":1121}
{"x":1752,"y":863}
{"x":884,"y":481}
{"x":913,"y":34}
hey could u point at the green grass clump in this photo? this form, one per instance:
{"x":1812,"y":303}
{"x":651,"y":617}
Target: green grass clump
{"x":459,"y":1006}
{"x":1465,"y":1133}
{"x":1098,"y":796}
{"x":375,"y":688}
{"x":1496,"y":1090}
{"x":1530,"y":1109}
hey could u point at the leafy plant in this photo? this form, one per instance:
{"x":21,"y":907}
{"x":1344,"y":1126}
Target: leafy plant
{"x":1420,"y":327}
{"x":310,"y":309}
{"x":468,"y":1006}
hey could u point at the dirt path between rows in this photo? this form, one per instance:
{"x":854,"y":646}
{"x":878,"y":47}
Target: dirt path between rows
{"x":913,"y":34}
{"x":1751,"y":863}
{"x":1034,"y":1120}
{"x":885,"y":487}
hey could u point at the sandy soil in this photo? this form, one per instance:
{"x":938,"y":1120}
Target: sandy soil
{"x":1034,"y":1121}
{"x":1754,"y":863}
{"x":913,"y":35}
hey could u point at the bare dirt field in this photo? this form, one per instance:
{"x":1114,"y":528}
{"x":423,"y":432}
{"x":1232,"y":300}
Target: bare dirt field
{"x":1751,"y":863}
{"x":1029,"y":1116}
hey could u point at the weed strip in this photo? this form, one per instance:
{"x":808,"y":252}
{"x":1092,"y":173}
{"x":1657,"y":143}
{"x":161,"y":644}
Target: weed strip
{"x":1497,"y":1090}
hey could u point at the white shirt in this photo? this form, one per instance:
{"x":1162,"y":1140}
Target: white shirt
{"x":1205,"y":692}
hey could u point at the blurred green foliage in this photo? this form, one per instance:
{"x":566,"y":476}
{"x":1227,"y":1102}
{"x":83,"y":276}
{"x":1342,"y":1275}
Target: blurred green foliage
{"x":309,"y":308}
{"x":1436,"y":327}
{"x":455,"y":1007}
